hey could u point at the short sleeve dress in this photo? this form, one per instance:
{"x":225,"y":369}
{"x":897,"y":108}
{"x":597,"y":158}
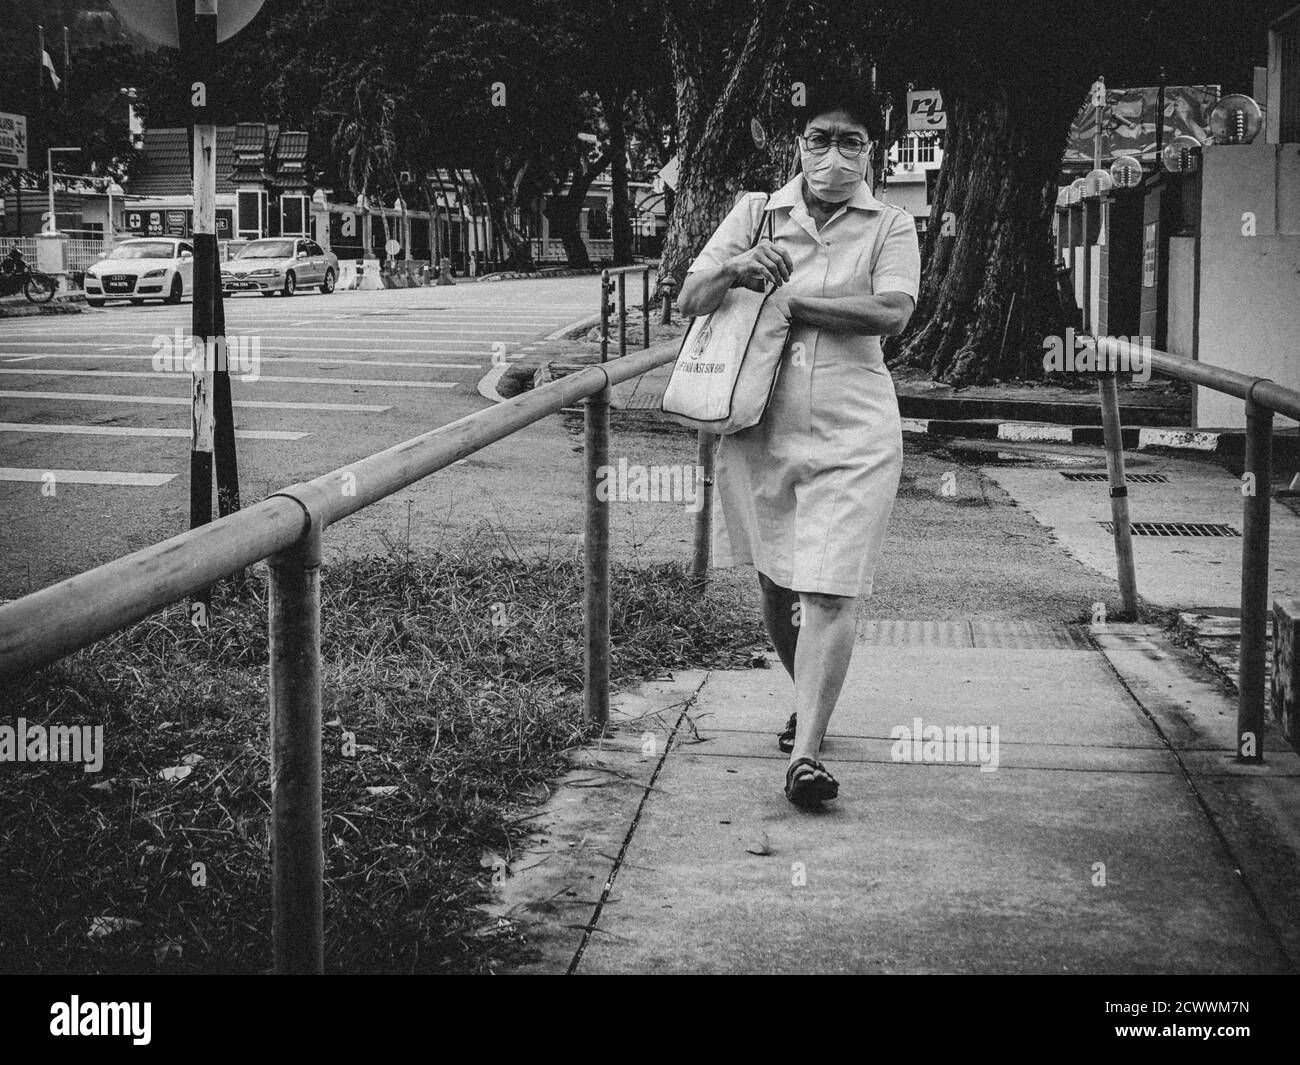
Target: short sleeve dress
{"x":806,"y":495}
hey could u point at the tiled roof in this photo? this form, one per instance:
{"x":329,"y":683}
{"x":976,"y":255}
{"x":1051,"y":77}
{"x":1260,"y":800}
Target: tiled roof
{"x":251,"y":152}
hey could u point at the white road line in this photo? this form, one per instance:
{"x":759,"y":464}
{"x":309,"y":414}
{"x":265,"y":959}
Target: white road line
{"x":131,"y":430}
{"x":477,"y":364}
{"x":113,"y":477}
{"x":267,"y":328}
{"x":341,"y":343}
{"x":275,"y":379}
{"x":184,"y":401}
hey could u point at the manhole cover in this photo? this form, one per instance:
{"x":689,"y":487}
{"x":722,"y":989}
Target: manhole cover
{"x":1129,"y":478}
{"x":1174,"y":528}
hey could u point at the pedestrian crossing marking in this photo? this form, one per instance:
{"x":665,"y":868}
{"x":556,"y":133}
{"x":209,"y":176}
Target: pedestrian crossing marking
{"x":113,"y":477}
{"x":262,"y":378}
{"x":184,"y":401}
{"x":133,"y":430}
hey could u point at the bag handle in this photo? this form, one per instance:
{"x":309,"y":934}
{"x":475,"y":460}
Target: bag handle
{"x":758,"y":230}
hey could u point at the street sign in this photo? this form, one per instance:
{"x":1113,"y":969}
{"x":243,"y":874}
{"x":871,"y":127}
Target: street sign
{"x":157,"y":21}
{"x":392,"y":247}
{"x":925,"y":110}
{"x":13,"y":140}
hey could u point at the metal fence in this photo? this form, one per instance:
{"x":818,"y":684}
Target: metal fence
{"x":79,"y":254}
{"x":1263,"y":398}
{"x":26,"y":245}
{"x":286,"y":529}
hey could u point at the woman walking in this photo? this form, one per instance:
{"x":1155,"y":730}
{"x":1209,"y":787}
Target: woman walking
{"x":806,"y":495}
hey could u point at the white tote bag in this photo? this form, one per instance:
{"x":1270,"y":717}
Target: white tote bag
{"x":728,"y":363}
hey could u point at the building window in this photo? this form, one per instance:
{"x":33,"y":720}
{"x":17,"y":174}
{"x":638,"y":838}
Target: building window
{"x":293,"y":216}
{"x":250,"y":214}
{"x":913,"y":149}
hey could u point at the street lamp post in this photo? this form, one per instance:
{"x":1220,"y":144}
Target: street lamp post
{"x":49,"y":171}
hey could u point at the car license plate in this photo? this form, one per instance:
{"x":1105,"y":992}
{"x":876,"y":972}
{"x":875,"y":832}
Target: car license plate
{"x":113,"y":285}
{"x":240,"y":284}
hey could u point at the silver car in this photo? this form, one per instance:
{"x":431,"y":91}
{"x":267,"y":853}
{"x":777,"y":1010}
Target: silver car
{"x":280,"y":264}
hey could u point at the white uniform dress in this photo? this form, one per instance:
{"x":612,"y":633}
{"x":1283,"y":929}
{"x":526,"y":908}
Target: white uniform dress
{"x":806,"y":495}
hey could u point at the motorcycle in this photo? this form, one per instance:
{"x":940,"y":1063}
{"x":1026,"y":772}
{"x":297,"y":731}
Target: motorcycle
{"x":37,"y":287}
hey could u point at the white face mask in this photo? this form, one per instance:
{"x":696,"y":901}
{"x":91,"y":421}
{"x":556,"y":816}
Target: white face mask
{"x":833,"y":178}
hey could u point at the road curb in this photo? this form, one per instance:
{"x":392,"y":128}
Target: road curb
{"x":34,"y":310}
{"x":1214,"y":441}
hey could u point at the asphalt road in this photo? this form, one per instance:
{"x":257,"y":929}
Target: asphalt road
{"x":94,"y":443}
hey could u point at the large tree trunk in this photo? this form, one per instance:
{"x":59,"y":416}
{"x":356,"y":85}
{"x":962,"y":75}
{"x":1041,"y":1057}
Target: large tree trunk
{"x":503,"y":197}
{"x":988,"y":295}
{"x":717,"y":156}
{"x":565,"y":212}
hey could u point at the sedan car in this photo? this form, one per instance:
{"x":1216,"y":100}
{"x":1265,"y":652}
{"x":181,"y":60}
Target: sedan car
{"x":280,"y":264}
{"x":143,"y":268}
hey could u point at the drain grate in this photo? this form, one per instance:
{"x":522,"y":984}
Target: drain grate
{"x":1129,"y":478}
{"x":1174,"y":528}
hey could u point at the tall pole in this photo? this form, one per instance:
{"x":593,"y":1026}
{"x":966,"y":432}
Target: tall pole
{"x":67,"y":67}
{"x":198,"y":41}
{"x":1099,"y":100}
{"x":49,"y":180}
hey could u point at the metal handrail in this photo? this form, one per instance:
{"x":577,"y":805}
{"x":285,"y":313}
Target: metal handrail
{"x":1263,"y":397}
{"x":621,"y":272}
{"x":286,"y":529}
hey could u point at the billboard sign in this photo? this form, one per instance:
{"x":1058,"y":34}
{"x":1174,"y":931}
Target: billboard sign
{"x":13,"y":141}
{"x":1129,"y":123}
{"x":925,"y":110}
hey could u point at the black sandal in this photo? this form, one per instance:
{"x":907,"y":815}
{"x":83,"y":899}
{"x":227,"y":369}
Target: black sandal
{"x":785,"y":741}
{"x":813,"y":786}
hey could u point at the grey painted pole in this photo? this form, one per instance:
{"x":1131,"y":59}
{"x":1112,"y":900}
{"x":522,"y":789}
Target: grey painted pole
{"x":645,"y":308}
{"x":1123,"y":535}
{"x":297,"y":856}
{"x":704,"y":518}
{"x":596,"y":562}
{"x":1254,"y":583}
{"x":604,"y":316}
{"x":622,"y":315}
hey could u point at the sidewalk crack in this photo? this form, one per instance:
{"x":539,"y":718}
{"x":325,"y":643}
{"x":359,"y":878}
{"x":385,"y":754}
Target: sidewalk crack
{"x":650,"y":788}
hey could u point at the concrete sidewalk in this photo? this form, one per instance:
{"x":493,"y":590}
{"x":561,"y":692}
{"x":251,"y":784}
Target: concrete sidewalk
{"x":1117,"y":833}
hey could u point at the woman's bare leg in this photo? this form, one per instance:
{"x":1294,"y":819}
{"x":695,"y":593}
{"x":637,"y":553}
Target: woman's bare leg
{"x":779,"y":618}
{"x":826,"y":632}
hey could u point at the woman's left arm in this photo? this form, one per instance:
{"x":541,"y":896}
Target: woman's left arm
{"x":884,"y":308}
{"x":883,"y":315}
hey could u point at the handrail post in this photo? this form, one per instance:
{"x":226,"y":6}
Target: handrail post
{"x":704,"y":444}
{"x":1254,"y":582}
{"x":595,"y":705}
{"x":645,"y":307}
{"x":604,"y":315}
{"x":1113,"y":435}
{"x":622,"y":314}
{"x":297,"y":856}
{"x":666,"y":286}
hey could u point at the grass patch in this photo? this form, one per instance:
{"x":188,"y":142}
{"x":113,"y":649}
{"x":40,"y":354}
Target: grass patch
{"x":459,"y":677}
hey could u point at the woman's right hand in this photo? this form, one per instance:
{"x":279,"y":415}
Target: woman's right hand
{"x":760,"y":266}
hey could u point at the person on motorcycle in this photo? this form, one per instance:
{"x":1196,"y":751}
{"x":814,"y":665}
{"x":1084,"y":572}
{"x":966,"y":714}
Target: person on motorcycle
{"x":13,"y":263}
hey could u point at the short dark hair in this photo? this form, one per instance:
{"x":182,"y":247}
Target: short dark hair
{"x":847,"y":91}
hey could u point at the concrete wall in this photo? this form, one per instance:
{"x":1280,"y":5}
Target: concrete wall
{"x":1249,"y":314}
